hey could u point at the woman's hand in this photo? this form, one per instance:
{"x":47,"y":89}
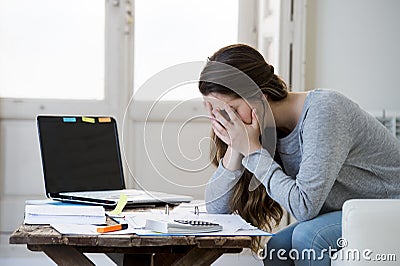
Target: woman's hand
{"x":232,"y":159}
{"x":242,"y":137}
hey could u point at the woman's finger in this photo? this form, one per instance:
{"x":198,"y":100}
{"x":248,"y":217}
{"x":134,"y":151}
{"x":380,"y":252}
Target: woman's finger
{"x":209,"y":108}
{"x":254,"y":119}
{"x":220,"y":132}
{"x":220,"y":118}
{"x":220,"y":128}
{"x":231,"y":113}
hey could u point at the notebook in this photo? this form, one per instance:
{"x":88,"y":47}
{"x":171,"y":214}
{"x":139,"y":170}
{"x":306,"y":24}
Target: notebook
{"x":81,"y":161}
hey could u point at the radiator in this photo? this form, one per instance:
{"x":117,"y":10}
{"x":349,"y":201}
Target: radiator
{"x":391,"y":122}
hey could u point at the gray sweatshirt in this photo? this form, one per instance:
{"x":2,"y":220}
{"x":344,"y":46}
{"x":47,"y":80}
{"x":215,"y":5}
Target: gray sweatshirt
{"x":336,"y":152}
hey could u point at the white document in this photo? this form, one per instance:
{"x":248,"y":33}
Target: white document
{"x":75,"y":229}
{"x":231,"y":224}
{"x":58,"y":214}
{"x":190,"y":207}
{"x":86,"y":229}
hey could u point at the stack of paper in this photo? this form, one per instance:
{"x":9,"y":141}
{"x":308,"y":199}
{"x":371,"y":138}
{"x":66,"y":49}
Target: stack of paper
{"x":59,"y":214}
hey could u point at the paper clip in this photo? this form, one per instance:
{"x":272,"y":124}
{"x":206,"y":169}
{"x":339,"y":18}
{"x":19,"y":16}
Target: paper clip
{"x":166,"y":209}
{"x":196,"y":210}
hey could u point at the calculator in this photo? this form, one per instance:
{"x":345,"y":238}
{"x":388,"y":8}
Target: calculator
{"x":196,"y":222}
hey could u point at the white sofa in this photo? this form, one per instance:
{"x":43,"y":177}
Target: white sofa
{"x":370,"y":233}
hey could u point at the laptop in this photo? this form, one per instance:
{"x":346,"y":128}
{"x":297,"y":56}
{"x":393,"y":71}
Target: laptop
{"x":82,"y":163}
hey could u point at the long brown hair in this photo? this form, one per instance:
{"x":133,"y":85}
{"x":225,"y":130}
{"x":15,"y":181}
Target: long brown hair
{"x":254,"y":206}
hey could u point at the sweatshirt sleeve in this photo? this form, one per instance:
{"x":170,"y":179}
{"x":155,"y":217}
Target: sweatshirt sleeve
{"x":219,"y":189}
{"x":326,"y":143}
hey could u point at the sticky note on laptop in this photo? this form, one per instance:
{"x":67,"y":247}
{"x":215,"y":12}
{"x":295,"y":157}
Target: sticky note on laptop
{"x":69,"y":119}
{"x":104,"y":119}
{"x":88,"y":119}
{"x":123,"y":199}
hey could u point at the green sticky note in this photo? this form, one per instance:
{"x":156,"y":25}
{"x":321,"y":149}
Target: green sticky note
{"x":88,"y":119}
{"x":123,"y":199}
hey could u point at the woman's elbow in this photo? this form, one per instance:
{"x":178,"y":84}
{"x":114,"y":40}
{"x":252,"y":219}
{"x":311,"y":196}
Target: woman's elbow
{"x":216,"y":207}
{"x":211,"y":209}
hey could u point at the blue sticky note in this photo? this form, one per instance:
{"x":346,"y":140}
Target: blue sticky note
{"x":69,"y":119}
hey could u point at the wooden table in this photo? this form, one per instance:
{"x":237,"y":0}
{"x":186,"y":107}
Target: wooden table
{"x":136,"y":250}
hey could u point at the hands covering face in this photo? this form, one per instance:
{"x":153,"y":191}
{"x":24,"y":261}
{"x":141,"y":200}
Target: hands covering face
{"x":229,"y":127}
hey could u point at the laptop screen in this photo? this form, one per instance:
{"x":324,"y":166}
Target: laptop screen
{"x":80,"y":154}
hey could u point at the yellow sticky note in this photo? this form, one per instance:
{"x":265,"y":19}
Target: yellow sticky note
{"x":123,"y":199}
{"x":104,"y":119}
{"x":88,"y":119}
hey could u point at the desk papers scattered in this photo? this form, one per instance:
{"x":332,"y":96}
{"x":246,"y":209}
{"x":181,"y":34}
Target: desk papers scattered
{"x":86,"y":229}
{"x":187,"y":207}
{"x":232,"y":224}
{"x":59,"y":214}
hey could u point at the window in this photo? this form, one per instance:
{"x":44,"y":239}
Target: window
{"x":178,"y":31}
{"x":52,"y":49}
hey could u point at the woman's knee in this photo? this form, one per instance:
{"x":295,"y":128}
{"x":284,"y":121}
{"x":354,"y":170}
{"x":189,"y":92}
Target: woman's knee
{"x":282,"y":239}
{"x":318,"y":233}
{"x":278,"y":248}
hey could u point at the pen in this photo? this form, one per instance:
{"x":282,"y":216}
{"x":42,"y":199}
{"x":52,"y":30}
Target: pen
{"x":116,"y":219}
{"x":112,"y":228}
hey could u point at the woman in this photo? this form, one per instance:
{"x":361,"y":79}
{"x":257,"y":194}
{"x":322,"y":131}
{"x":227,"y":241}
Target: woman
{"x":328,"y":150}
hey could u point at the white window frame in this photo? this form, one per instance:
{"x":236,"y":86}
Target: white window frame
{"x":117,"y":45}
{"x":289,"y":43}
{"x":247,"y":33}
{"x":293,"y":43}
{"x":291,"y":54}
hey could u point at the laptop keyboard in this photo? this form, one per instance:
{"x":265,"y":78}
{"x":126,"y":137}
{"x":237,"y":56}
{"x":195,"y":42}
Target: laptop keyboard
{"x":111,"y":194}
{"x":134,"y":195}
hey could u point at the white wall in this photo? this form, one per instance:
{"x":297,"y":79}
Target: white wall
{"x":20,"y":171}
{"x":170,"y":148}
{"x":352,"y":46}
{"x":159,"y":165}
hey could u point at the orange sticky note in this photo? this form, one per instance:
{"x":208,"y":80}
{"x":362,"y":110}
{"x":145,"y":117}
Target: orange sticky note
{"x":104,"y":119}
{"x":88,"y":119}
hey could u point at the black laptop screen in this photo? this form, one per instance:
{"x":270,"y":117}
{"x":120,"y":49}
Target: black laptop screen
{"x":80,"y":154}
